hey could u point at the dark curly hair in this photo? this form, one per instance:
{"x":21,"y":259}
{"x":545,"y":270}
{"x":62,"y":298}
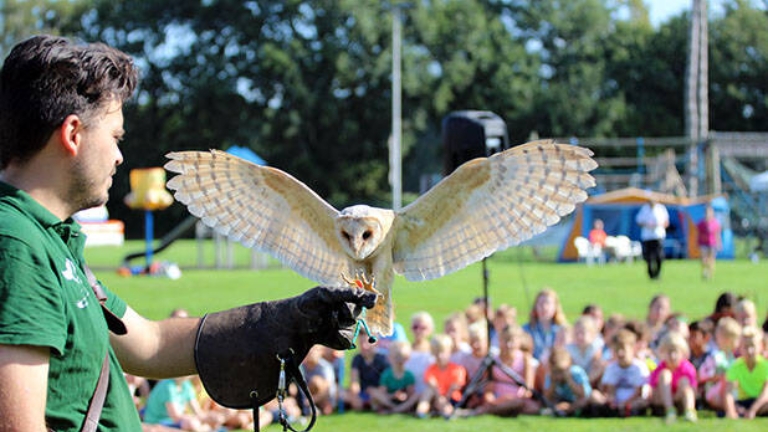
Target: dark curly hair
{"x":45,"y":79}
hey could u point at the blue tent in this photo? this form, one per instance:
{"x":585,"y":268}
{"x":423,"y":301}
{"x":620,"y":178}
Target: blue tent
{"x":618,"y":209}
{"x":247,"y":154}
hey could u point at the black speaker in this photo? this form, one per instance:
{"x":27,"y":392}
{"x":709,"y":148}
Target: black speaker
{"x":471,"y":134}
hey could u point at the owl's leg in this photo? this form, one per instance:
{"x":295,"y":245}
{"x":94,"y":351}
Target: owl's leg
{"x":362,"y":282}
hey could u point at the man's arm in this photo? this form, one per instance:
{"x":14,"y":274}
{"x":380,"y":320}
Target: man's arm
{"x":23,"y":387}
{"x":157,"y":349}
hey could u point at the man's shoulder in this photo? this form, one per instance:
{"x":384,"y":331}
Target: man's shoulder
{"x":17,"y":225}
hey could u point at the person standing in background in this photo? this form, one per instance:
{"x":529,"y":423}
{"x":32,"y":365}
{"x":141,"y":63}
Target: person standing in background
{"x":709,"y":242}
{"x":653,"y":219}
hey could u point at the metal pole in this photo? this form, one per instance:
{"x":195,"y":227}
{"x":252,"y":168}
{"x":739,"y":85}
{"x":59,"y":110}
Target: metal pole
{"x":395,"y":158}
{"x":149,"y":237}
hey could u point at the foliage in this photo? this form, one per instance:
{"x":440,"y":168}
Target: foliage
{"x":738,"y":66}
{"x":306,"y":84}
{"x":20,"y":19}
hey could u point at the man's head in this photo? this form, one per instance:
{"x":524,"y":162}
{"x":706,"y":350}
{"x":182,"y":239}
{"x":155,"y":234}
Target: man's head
{"x":45,"y":79}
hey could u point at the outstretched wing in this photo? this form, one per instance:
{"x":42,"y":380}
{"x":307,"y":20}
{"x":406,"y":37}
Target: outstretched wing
{"x":262,"y":208}
{"x":489,"y":204}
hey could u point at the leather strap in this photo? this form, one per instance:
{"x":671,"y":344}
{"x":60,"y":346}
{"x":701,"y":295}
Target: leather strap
{"x":91,"y":422}
{"x":114,"y":323}
{"x":116,"y":326}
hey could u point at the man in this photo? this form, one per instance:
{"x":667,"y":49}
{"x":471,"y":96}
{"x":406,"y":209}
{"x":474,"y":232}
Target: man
{"x":60,"y":124}
{"x":653,"y":219}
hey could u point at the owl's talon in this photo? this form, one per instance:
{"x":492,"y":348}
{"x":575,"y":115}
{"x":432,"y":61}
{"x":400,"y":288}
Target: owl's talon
{"x":361,"y":282}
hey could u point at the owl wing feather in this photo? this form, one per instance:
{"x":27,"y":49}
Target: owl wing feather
{"x":263,"y":208}
{"x":489,"y":204}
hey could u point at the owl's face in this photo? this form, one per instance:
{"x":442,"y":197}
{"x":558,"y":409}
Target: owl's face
{"x":361,"y":229}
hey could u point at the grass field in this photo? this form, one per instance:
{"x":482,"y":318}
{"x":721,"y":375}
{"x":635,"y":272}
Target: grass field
{"x":514,"y":277}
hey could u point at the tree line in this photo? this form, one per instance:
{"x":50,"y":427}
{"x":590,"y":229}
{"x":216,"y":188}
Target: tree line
{"x":306,"y":84}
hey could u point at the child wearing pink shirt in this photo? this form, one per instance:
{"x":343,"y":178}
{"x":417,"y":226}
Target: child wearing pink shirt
{"x":673,"y":382}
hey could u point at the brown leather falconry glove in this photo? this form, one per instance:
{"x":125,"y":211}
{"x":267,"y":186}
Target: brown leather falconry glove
{"x":237,"y":350}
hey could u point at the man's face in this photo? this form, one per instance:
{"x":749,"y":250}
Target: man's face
{"x":98,"y":157}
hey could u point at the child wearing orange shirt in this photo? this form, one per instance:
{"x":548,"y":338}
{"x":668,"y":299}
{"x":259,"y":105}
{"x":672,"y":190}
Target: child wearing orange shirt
{"x":444,"y":380}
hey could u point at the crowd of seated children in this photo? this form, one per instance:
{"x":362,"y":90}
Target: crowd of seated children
{"x":627,"y":367}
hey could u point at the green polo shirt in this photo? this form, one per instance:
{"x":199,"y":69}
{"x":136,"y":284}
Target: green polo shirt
{"x":46,"y":300}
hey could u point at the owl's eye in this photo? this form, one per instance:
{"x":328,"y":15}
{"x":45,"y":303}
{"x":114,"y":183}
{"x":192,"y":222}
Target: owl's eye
{"x":345,"y":235}
{"x":367,"y":235}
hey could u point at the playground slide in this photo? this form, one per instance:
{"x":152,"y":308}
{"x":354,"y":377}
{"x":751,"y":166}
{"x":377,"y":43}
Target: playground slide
{"x":166,"y":241}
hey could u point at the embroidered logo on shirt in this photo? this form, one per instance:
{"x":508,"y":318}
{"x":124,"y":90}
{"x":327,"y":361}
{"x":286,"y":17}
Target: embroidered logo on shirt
{"x":70,"y":273}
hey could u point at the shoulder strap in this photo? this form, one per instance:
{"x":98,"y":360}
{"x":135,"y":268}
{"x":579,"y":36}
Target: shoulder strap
{"x":114,"y":323}
{"x":91,"y":422}
{"x":116,"y":326}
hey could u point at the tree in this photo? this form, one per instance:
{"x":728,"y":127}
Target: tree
{"x":20,"y":19}
{"x":738,"y":67}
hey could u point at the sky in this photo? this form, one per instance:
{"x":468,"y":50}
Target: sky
{"x":662,"y":10}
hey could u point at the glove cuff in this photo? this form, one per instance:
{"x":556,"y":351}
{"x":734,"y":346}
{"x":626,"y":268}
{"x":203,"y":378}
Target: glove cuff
{"x":236,"y":353}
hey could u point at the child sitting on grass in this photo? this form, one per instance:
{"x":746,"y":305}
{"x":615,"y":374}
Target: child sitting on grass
{"x":748,"y":375}
{"x":712,"y":371}
{"x":673,"y":382}
{"x":395,"y":393}
{"x":625,"y":378}
{"x":586,"y":348}
{"x":505,"y":396}
{"x":566,"y":385}
{"x":444,"y":381}
{"x":367,"y":366}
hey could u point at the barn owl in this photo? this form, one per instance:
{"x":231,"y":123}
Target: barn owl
{"x":485,"y":205}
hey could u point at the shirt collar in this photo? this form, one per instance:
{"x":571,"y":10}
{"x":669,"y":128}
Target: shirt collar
{"x":69,"y":230}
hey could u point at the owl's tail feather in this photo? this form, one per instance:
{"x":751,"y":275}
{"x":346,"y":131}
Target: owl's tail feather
{"x":379,"y":318}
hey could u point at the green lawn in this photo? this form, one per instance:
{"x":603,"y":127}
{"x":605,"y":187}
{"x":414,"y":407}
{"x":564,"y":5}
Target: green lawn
{"x":515,"y":276}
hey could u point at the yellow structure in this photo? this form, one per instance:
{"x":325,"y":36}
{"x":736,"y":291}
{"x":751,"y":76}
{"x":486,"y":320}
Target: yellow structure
{"x":148,"y":190}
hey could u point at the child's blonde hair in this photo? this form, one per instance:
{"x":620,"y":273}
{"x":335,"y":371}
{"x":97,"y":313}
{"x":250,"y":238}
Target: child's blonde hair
{"x":439,"y":343}
{"x":746,"y":307}
{"x":588,"y":323}
{"x":729,"y":327}
{"x":674,"y":340}
{"x":478,"y":330}
{"x":512,"y":332}
{"x":400,"y":348}
{"x":752,"y":333}
{"x":424,"y":317}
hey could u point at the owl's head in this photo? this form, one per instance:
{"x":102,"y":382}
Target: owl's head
{"x":361,"y":229}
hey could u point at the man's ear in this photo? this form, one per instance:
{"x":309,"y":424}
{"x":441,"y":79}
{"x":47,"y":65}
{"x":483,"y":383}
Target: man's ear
{"x":70,"y":134}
